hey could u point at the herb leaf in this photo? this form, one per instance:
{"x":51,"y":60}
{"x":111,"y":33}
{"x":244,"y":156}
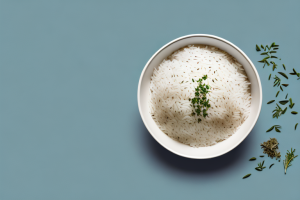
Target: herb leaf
{"x":296,"y":126}
{"x":283,"y":102}
{"x":270,"y":129}
{"x":283,"y":74}
{"x":257,"y":48}
{"x":270,"y":101}
{"x":246,"y":176}
{"x":294,"y":112}
{"x":251,"y":159}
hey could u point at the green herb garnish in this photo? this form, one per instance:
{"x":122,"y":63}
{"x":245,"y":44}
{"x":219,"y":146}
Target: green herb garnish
{"x":289,"y":157}
{"x":294,"y":112}
{"x":296,"y":126}
{"x":277,"y":81}
{"x":262,"y":156}
{"x":283,"y":102}
{"x":251,"y":159}
{"x":270,"y":148}
{"x":270,"y":101}
{"x":283,"y":74}
{"x":277,"y":112}
{"x":283,"y":66}
{"x":246,"y":176}
{"x":200,"y":103}
{"x":295,"y":73}
{"x":286,"y":95}
{"x":291,"y":103}
{"x":285,"y":85}
{"x":260,"y":166}
{"x":275,"y":126}
{"x":281,"y":88}
{"x":277,"y":93}
{"x":257,"y":48}
{"x":271,"y":166}
{"x":284,"y":110}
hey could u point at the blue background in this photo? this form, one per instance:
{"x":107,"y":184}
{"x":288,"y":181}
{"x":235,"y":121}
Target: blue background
{"x":70,"y":125}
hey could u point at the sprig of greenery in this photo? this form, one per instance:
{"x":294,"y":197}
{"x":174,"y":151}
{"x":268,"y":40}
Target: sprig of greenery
{"x":200,"y":103}
{"x":260,"y":166}
{"x":277,"y":112}
{"x":289,"y":157}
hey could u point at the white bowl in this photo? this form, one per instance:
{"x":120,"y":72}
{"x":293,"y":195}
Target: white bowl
{"x":177,"y":147}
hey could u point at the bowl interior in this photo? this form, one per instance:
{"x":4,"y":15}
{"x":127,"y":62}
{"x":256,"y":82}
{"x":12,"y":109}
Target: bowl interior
{"x":182,"y":149}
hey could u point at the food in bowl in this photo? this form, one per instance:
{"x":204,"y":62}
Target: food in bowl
{"x":172,"y":86}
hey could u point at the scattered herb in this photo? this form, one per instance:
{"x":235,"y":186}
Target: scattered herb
{"x":284,"y":110}
{"x":283,"y":102}
{"x":262,"y":46}
{"x":277,"y":112}
{"x":246,"y":176}
{"x":296,"y":126}
{"x":291,"y":103}
{"x":271,"y":166}
{"x":260,"y":166}
{"x":270,"y":148}
{"x":270,"y":76}
{"x":277,"y":93}
{"x":283,"y":66}
{"x":289,"y":157}
{"x":285,"y":85}
{"x":283,"y":74}
{"x":277,"y":130}
{"x":270,"y":101}
{"x":277,"y":81}
{"x":257,"y":48}
{"x":286,"y":95}
{"x":200,"y":102}
{"x":270,"y":129}
{"x":295,"y":73}
{"x":262,"y":156}
{"x":251,"y":159}
{"x":281,"y":88}
{"x":294,"y":112}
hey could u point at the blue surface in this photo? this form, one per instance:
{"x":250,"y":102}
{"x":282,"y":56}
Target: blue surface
{"x":70,"y":126}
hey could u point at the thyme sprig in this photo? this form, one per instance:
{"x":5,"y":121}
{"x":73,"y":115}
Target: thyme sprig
{"x":289,"y":157}
{"x":200,"y":103}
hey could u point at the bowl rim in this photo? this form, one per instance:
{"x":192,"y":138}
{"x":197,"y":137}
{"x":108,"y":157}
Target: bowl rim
{"x":222,"y":40}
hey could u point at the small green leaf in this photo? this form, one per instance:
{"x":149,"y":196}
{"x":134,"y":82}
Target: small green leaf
{"x":262,"y":156}
{"x":251,"y":159}
{"x":273,"y":57}
{"x":270,"y":101}
{"x":283,"y":102}
{"x":277,"y":130}
{"x":246,"y":176}
{"x":281,"y":88}
{"x":271,"y":166}
{"x":286,"y":95}
{"x":257,"y":48}
{"x":284,"y":111}
{"x":264,"y":53}
{"x":296,"y":126}
{"x":277,"y":93}
{"x":270,"y":76}
{"x":285,"y":85}
{"x":283,"y":74}
{"x":270,"y":129}
{"x":283,"y":66}
{"x":294,"y":112}
{"x":272,"y":51}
